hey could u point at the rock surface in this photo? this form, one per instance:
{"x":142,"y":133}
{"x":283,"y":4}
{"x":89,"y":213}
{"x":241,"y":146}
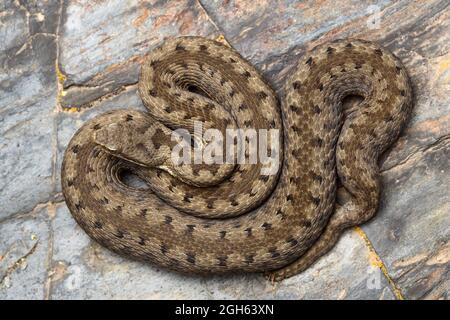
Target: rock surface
{"x":64,"y":62}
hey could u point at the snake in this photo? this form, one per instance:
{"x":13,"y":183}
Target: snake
{"x":208,"y":218}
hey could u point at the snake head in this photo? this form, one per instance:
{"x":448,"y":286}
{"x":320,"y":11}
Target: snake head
{"x":110,"y":137}
{"x":130,"y":138}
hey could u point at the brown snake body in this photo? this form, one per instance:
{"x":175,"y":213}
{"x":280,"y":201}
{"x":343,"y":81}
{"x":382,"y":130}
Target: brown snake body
{"x":213,"y":218}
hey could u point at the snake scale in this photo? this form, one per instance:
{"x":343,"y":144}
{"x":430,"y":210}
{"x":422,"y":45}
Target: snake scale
{"x":225,"y":218}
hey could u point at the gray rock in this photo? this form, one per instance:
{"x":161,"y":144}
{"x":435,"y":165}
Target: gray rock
{"x":27,"y":103}
{"x":24,"y":248}
{"x":411,"y":230}
{"x":113,"y":37}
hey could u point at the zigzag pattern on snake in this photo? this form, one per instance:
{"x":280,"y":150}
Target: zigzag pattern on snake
{"x":223,"y":218}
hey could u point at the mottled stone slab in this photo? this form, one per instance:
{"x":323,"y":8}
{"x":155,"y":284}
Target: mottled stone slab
{"x":412,"y":229}
{"x":112,"y":37}
{"x":43,"y":15}
{"x":84,"y":270}
{"x":14,"y":30}
{"x":27,"y":99}
{"x":24,"y":250}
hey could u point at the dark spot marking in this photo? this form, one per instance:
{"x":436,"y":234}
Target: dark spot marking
{"x":330,"y":50}
{"x":316,"y":109}
{"x":249,"y":232}
{"x":295,"y":109}
{"x":141,"y":241}
{"x":98,"y":225}
{"x":264,"y":178}
{"x":179,"y":47}
{"x":210,"y":204}
{"x":295,"y":129}
{"x":317,"y":177}
{"x":222,"y":234}
{"x":292,"y":241}
{"x":190,"y":228}
{"x":306,"y":223}
{"x":234,"y":203}
{"x":152,"y":92}
{"x":273,"y":251}
{"x":266,"y":226}
{"x":379,"y":52}
{"x":79,"y":206}
{"x":249,"y":258}
{"x":319,"y":142}
{"x":296,"y":85}
{"x":97,"y":126}
{"x":203,"y":47}
{"x":222,"y":261}
{"x":290,"y":197}
{"x":119,"y":234}
{"x":389,"y":118}
{"x":70,"y":183}
{"x":143,"y":212}
{"x":402,"y":92}
{"x":242,"y":107}
{"x":210,"y":105}
{"x":398,"y":69}
{"x":232,"y":60}
{"x":105,"y":200}
{"x":309,"y":61}
{"x":163,"y":249}
{"x":168,"y":220}
{"x":75,"y":148}
{"x":358,"y":66}
{"x":320,"y":87}
{"x":315,"y":200}
{"x":349,"y":45}
{"x":190,"y":257}
{"x":247,"y":74}
{"x":296,"y":153}
{"x":96,"y":153}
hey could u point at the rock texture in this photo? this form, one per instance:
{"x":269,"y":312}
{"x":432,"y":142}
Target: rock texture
{"x":64,"y":62}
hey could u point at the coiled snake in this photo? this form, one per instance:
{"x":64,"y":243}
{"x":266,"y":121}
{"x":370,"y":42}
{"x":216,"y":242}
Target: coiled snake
{"x":209,"y":218}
